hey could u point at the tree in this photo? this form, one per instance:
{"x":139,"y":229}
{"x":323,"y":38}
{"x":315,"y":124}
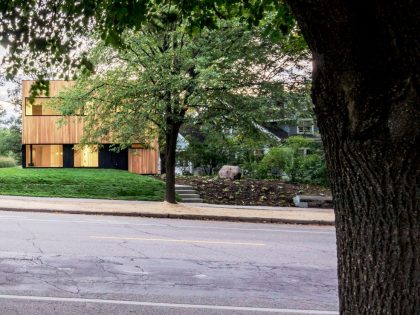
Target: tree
{"x":365,"y":91}
{"x":212,"y":145}
{"x":161,"y":78}
{"x":11,"y":127}
{"x":11,"y":140}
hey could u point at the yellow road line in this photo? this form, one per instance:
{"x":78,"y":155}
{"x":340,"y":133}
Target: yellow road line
{"x":173,"y":240}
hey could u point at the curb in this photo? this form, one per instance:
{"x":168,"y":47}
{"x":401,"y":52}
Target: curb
{"x":180,"y":216}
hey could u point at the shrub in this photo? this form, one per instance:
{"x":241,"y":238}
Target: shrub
{"x":310,"y":169}
{"x":6,"y":161}
{"x":298,"y":142}
{"x":276,"y":163}
{"x":288,"y":161}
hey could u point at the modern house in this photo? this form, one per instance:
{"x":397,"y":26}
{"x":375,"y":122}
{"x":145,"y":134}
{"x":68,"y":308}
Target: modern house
{"x":46,"y":143}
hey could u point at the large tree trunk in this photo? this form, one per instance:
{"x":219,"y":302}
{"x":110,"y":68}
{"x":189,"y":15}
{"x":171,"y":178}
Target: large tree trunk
{"x":170,"y":155}
{"x":162,"y":162}
{"x":366,"y":95}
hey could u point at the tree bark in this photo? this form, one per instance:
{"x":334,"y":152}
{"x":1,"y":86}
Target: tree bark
{"x":162,"y":162}
{"x":170,"y":161}
{"x":366,"y":78}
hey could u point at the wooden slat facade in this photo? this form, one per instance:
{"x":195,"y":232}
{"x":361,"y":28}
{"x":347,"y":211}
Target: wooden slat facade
{"x":46,"y":130}
{"x":143,"y":161}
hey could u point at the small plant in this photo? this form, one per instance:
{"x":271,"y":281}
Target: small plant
{"x":7,"y":161}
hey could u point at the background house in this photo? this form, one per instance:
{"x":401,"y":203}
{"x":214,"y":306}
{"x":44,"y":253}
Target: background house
{"x":284,"y":128}
{"x":276,"y":132}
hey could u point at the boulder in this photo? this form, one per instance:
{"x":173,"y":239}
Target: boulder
{"x":230,"y":171}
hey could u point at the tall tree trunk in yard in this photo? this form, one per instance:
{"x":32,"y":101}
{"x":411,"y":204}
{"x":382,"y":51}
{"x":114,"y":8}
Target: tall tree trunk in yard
{"x":162,"y":162}
{"x":170,"y":154}
{"x":366,"y":81}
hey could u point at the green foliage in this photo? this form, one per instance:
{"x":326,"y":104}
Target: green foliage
{"x":276,"y":163}
{"x":11,"y":142}
{"x":175,"y":79}
{"x":211,"y":147}
{"x":7,"y":161}
{"x":80,"y":183}
{"x":210,"y":154}
{"x":289,"y":161}
{"x":30,"y":33}
{"x":298,"y":142}
{"x":311,"y":169}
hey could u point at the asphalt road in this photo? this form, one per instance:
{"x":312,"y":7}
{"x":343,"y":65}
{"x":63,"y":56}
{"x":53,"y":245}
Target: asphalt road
{"x":75,"y":264}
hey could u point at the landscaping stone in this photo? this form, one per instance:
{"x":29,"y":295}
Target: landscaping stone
{"x":304,"y":201}
{"x":231,"y":172}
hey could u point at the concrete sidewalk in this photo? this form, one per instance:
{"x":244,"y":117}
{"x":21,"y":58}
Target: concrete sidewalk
{"x":165,"y":210}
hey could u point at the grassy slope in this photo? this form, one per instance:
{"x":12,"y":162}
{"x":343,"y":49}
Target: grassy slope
{"x":79,"y":183}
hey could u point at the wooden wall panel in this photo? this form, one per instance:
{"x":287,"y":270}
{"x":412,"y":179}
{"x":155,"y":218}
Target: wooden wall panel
{"x":45,"y":130}
{"x":143,"y":161}
{"x":56,"y":86}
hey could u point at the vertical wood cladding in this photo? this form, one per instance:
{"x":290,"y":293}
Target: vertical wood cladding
{"x":45,"y":129}
{"x":49,"y":130}
{"x":143,"y":161}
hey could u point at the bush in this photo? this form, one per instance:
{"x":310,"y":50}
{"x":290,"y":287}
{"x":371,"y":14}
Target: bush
{"x":6,"y":161}
{"x":288,"y":161}
{"x":310,"y":169}
{"x":298,"y":142}
{"x":276,"y":163}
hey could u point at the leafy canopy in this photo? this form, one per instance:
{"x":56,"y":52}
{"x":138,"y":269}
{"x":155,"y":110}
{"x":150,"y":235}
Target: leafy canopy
{"x":52,"y":32}
{"x":160,"y":75}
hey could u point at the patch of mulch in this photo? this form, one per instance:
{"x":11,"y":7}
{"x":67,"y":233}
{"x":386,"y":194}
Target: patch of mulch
{"x":252,"y":192}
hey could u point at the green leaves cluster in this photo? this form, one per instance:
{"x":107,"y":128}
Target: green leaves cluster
{"x":289,"y":161}
{"x":54,"y":32}
{"x":11,"y":141}
{"x":162,"y":78}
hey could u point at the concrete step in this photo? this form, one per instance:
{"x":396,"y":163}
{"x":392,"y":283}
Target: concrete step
{"x":187,"y":194}
{"x":181,"y":188}
{"x":192,"y":200}
{"x":183,"y":192}
{"x":184,"y":196}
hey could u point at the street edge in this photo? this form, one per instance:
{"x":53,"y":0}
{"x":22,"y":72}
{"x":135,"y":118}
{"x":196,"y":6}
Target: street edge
{"x":181,"y":216}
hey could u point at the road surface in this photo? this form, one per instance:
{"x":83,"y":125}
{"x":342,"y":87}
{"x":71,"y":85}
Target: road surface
{"x":75,"y":264}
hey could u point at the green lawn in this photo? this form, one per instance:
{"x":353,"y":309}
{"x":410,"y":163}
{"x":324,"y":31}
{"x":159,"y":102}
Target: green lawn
{"x":79,"y":183}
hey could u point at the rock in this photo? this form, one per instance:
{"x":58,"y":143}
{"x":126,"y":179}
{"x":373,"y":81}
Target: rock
{"x":230,"y":172}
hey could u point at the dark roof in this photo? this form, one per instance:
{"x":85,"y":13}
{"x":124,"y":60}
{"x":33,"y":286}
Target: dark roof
{"x":275,"y":128}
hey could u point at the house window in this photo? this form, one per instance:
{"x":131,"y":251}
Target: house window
{"x":44,"y":155}
{"x":305,"y":127}
{"x":86,"y":157}
{"x":39,"y":107}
